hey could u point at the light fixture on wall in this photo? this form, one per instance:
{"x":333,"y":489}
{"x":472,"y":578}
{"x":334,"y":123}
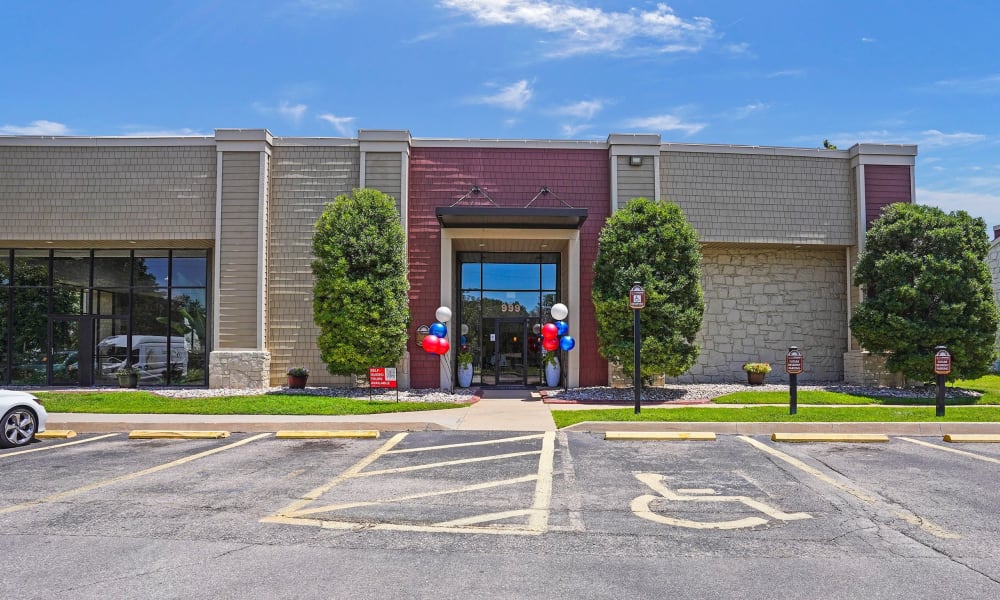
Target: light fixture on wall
{"x":635,"y":161}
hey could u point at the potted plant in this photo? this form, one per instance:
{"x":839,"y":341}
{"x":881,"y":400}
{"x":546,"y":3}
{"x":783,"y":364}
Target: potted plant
{"x":551,"y":363}
{"x":297,"y":377}
{"x":128,"y":377}
{"x":756,"y":372}
{"x":464,"y":368}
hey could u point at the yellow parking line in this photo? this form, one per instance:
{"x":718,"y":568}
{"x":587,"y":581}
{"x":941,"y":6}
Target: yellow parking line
{"x":829,"y":437}
{"x":952,"y":450}
{"x":899,"y":511}
{"x":129,"y":476}
{"x":971,"y":438}
{"x":56,"y":434}
{"x":93,"y":439}
{"x":156,"y":434}
{"x":660,"y":436}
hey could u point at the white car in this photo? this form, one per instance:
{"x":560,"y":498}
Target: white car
{"x":23,"y":417}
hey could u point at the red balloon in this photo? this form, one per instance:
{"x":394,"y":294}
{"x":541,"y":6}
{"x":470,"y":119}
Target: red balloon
{"x":443,"y":346}
{"x":550,"y":331}
{"x":431,"y":343}
{"x":550,"y":344}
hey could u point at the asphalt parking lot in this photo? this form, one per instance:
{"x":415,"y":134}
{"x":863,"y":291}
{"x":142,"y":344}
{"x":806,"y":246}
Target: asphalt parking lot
{"x":503,"y":514}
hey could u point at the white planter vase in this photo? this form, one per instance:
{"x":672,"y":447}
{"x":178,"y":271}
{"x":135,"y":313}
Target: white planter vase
{"x":552,"y":374}
{"x":465,"y":375}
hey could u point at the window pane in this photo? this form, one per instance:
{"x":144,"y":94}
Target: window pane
{"x":509,"y":276}
{"x":111,"y":301}
{"x":188,"y":318}
{"x":31,"y":267}
{"x":4,"y":267}
{"x":30,"y":331}
{"x":189,"y":270}
{"x":510,"y":304}
{"x":71,"y":268}
{"x":3,"y":334}
{"x":149,"y":335}
{"x":470,"y":276}
{"x":151,"y":268}
{"x":111,"y":268}
{"x":549,"y":276}
{"x":112,"y":350}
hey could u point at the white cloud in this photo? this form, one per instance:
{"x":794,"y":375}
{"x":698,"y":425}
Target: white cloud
{"x":745,"y":111}
{"x":584,"y":109}
{"x":586,"y":30}
{"x":40,"y":127}
{"x":341,"y":124}
{"x":868,"y":40}
{"x":740,"y":49}
{"x":932,"y":138}
{"x":990,"y":84}
{"x":512,"y":97}
{"x":294,"y":112}
{"x":665,"y":123}
{"x":574,"y":130}
{"x":786,"y":73}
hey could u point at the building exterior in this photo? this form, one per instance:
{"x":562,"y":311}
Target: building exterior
{"x":192,"y":255}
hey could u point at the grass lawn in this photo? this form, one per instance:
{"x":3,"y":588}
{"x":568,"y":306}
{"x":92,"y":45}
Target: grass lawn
{"x":989,"y":386}
{"x":775,"y":414}
{"x":264,"y":404}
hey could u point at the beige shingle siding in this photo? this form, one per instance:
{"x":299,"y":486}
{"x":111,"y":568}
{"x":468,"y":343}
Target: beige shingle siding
{"x":303,"y":180}
{"x":383,"y":171}
{"x":237,"y":253}
{"x":113,"y":194}
{"x":755,"y":198}
{"x":635,"y":182}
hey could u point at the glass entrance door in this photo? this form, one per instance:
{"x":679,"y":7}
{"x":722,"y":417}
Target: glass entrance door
{"x":71,"y":353}
{"x":505,"y":352}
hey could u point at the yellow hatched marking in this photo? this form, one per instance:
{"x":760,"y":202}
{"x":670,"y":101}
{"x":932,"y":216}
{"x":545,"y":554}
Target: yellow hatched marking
{"x":902,"y":513}
{"x":130,"y":476}
{"x":952,"y":450}
{"x":93,"y":439}
{"x":538,"y":514}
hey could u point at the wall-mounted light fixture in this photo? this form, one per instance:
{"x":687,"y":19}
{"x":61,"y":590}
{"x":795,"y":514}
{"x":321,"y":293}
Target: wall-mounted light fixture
{"x":635,"y":161}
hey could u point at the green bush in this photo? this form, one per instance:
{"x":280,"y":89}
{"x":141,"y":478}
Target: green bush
{"x":652,"y":243}
{"x":926,"y":283}
{"x":360,"y":293}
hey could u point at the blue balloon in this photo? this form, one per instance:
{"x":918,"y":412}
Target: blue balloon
{"x":567,"y":343}
{"x":439,"y":330}
{"x":562,"y":327}
{"x":465,"y":340}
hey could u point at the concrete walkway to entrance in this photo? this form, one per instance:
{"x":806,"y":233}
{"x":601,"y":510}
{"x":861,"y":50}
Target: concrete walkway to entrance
{"x":510,"y":410}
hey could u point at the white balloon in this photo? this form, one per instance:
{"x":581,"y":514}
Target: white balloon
{"x":443,"y":314}
{"x":536,"y":328}
{"x":559,"y":311}
{"x":465,"y":329}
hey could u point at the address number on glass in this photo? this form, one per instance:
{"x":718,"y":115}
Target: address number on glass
{"x":511,"y":308}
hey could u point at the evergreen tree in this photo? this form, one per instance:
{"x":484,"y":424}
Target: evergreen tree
{"x":926,"y":283}
{"x":360,"y":293}
{"x":652,"y":243}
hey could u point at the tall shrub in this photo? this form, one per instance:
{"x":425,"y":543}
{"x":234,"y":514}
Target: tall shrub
{"x":360,"y":293}
{"x":926,"y":283}
{"x":650,"y":242}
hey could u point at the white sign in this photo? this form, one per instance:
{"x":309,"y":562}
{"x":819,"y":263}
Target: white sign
{"x":493,"y":337}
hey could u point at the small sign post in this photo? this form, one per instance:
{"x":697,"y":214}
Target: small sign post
{"x":636,"y":301}
{"x":942,"y":368}
{"x":793,"y":366}
{"x":382,"y":377}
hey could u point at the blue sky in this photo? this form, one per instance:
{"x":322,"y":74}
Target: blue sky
{"x":762,"y":72}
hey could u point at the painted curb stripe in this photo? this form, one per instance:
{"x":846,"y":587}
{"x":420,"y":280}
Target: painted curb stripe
{"x":952,"y":450}
{"x":152,"y":434}
{"x":971,"y":438}
{"x":829,"y":437}
{"x":368,"y":434}
{"x":56,"y":434}
{"x":665,"y":436}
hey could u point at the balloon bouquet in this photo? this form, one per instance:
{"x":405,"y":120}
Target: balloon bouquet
{"x":436,"y":341}
{"x":556,"y":335}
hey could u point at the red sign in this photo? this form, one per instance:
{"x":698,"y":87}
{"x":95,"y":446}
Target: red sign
{"x":793,"y":362}
{"x":942,"y":363}
{"x":637,"y":297}
{"x":382,"y":377}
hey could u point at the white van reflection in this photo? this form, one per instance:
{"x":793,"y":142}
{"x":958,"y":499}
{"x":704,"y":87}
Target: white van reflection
{"x":148,"y":356}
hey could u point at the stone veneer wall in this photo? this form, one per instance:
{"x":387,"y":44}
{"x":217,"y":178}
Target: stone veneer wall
{"x":758,"y":302}
{"x":239,"y":369}
{"x":303,"y":180}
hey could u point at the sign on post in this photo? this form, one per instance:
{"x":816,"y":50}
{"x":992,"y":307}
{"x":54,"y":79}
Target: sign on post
{"x":382,"y":377}
{"x":793,"y":361}
{"x":637,"y":297}
{"x":942,"y":362}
